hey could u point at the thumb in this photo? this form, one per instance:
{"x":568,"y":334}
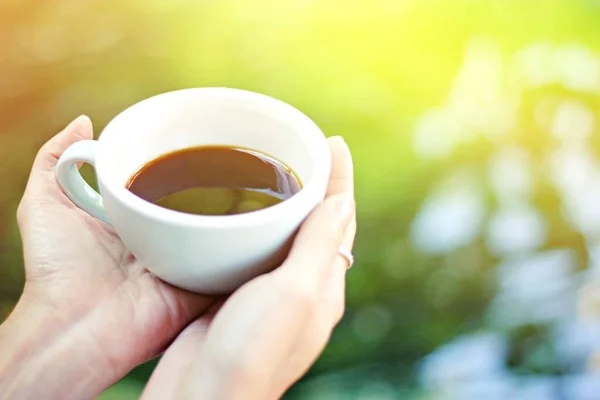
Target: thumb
{"x":317,"y":244}
{"x":46,"y":159}
{"x":41,"y":179}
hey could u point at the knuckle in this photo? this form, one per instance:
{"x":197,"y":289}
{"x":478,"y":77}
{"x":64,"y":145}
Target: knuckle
{"x":337,"y":229}
{"x":241,"y":362}
{"x":21,"y":211}
{"x":45,"y":152}
{"x":324,"y":328}
{"x":339,"y":309}
{"x":302,"y":293}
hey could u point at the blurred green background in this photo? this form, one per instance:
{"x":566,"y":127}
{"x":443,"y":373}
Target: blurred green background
{"x":475,"y":131}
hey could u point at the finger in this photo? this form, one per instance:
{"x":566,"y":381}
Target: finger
{"x":316,"y":246}
{"x":41,"y":178}
{"x":42,"y":183}
{"x":342,"y":181}
{"x":342,"y":168}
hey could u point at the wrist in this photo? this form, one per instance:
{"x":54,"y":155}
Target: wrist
{"x":189,"y":370}
{"x":43,"y":357}
{"x":216,"y":379}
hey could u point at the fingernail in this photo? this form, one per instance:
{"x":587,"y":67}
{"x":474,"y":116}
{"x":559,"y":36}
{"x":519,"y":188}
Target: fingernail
{"x":82,"y":119}
{"x":338,"y":138}
{"x":80,"y":124}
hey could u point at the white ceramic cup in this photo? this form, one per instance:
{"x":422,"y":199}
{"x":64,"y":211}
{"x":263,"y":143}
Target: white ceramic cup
{"x":205,"y":254}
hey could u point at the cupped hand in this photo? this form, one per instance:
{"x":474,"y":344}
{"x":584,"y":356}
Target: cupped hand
{"x":262,"y":339}
{"x":86,"y":298}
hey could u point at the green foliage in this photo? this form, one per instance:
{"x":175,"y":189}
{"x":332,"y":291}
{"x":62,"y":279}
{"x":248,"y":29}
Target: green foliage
{"x":365,"y":70}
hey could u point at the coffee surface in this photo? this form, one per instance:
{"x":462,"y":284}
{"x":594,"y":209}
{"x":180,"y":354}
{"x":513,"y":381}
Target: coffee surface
{"x":214,"y":180}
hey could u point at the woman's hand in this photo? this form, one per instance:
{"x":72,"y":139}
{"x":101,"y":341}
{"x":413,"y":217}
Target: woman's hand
{"x":90,"y":312}
{"x":263,"y":338}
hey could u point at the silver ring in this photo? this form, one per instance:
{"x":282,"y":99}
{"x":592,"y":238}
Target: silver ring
{"x":346,"y":255}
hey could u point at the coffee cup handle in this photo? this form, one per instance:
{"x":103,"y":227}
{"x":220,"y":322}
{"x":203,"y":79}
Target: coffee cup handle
{"x":72,"y":183}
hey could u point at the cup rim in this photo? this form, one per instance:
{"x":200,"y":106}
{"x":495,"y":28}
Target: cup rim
{"x":312,"y":135}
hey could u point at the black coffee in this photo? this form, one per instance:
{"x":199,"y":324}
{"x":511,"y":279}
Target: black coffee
{"x":215,"y":180}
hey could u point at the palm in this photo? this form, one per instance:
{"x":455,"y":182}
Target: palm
{"x":77,"y":263}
